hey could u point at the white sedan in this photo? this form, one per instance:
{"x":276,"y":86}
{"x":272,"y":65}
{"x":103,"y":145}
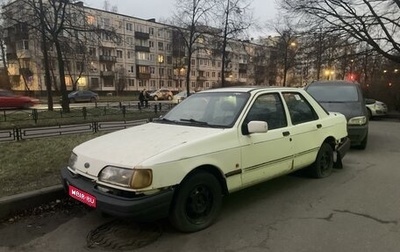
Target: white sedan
{"x":211,"y":144}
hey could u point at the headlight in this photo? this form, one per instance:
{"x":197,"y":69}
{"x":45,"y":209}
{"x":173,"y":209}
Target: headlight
{"x":71,"y":161}
{"x":116,"y":175}
{"x":133,"y":178}
{"x":359,"y":120}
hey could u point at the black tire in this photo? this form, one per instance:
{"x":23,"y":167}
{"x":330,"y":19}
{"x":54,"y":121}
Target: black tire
{"x":323,"y":165}
{"x":369,"y":114}
{"x":197,"y":203}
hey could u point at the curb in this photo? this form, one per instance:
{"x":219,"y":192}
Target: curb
{"x":16,"y":203}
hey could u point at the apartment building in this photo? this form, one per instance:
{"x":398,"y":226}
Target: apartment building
{"x":123,"y":53}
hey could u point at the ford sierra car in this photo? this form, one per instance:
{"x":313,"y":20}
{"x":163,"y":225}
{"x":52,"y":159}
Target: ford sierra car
{"x":210,"y":145}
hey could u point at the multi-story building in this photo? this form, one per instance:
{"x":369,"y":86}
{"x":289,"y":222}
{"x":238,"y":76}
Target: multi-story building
{"x":123,"y":53}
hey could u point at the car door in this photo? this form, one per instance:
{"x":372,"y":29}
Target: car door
{"x":269,"y":154}
{"x":306,"y":130}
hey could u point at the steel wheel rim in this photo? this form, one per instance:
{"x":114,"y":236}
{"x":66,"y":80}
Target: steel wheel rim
{"x":199,"y":204}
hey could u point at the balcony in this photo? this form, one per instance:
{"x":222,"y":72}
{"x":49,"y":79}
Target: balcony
{"x":142,"y":48}
{"x":201,"y":78}
{"x":141,"y":35}
{"x":143,"y":76}
{"x":108,"y":58}
{"x":107,"y":74}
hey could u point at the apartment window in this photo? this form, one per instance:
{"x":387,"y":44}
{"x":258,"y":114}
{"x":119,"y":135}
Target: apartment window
{"x":169,"y":59}
{"x":169,"y":47}
{"x":169,"y":83}
{"x":193,"y":62}
{"x":160,"y":46}
{"x":160,"y":32}
{"x":132,"y":69}
{"x":80,"y":66}
{"x":193,"y":83}
{"x":131,"y":82}
{"x":151,"y":31}
{"x":151,"y":44}
{"x":129,"y":27}
{"x":193,"y":73}
{"x":92,"y":51}
{"x":152,"y":57}
{"x":161,"y":71}
{"x":94,"y":83}
{"x":152,"y":83}
{"x":119,"y":54}
{"x":213,"y":74}
{"x":129,"y":40}
{"x":152,"y":70}
{"x":142,"y":55}
{"x":23,"y":45}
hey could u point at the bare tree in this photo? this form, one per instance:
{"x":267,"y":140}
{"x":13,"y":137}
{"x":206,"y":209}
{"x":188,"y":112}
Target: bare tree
{"x":236,"y":19}
{"x":190,"y":23}
{"x":375,"y":22}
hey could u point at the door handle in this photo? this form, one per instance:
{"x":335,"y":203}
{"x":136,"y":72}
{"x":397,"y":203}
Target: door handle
{"x":286,"y":133}
{"x":319,"y":126}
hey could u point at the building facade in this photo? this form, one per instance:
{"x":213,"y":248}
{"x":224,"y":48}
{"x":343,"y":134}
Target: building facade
{"x":119,"y":53}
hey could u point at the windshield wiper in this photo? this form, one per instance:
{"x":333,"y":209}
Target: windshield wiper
{"x":191,"y":120}
{"x":165,"y":120}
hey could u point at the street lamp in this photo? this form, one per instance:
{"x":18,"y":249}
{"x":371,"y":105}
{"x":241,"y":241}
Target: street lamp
{"x":285,"y":67}
{"x":160,"y":60}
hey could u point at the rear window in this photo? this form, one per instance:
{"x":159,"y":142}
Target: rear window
{"x":330,"y":93}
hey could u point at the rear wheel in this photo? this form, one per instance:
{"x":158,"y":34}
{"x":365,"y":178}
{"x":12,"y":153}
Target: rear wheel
{"x":197,"y":202}
{"x":323,"y":165}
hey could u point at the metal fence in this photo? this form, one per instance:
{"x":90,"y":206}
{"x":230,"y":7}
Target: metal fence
{"x":17,"y":134}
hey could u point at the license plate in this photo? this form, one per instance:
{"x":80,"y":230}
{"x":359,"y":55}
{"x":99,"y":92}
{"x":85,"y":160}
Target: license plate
{"x":82,"y":196}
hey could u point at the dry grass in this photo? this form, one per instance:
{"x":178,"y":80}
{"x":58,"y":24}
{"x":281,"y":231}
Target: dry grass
{"x":33,"y":164}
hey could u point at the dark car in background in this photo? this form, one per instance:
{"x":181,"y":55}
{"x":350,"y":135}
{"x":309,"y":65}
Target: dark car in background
{"x":10,"y":100}
{"x":347,"y":98}
{"x":83,"y":96}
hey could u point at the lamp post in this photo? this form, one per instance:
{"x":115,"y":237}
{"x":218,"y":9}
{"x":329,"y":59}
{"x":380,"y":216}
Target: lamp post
{"x":160,"y":60}
{"x":285,"y":67}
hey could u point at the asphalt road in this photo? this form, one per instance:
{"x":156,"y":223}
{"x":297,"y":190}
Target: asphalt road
{"x":355,"y":209}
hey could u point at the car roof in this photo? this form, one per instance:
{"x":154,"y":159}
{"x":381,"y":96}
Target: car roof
{"x":333,"y":83}
{"x":250,"y":89}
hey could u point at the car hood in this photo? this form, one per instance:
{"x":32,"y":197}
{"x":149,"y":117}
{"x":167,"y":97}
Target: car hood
{"x":348,"y":109}
{"x":152,"y":142}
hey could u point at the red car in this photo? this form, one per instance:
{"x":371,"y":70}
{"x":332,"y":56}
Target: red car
{"x":10,"y":100}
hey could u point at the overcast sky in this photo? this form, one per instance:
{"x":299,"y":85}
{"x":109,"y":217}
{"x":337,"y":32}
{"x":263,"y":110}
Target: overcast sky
{"x":264,"y":10}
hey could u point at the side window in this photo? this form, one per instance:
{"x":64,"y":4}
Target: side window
{"x":268,"y":108}
{"x":299,"y":109}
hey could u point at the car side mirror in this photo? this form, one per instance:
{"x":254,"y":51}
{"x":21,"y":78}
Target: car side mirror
{"x":257,"y":127}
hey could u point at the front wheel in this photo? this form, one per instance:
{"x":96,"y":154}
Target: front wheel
{"x":197,"y":203}
{"x":323,"y":165}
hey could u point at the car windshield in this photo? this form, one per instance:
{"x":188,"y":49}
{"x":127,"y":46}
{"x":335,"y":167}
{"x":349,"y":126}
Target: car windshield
{"x":212,"y":109}
{"x":334,"y":93}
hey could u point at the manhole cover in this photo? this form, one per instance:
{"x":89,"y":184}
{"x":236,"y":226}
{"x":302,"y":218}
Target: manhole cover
{"x":123,"y":235}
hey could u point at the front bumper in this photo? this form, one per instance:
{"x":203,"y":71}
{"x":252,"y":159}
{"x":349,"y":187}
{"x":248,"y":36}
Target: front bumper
{"x":140,"y":207}
{"x":357,"y":133}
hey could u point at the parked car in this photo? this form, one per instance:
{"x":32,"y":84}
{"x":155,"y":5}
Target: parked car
{"x":161,"y":94}
{"x":214,"y":143}
{"x":347,"y":98}
{"x":179,"y":97}
{"x":375,"y":108}
{"x":83,"y":96}
{"x":10,"y":100}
